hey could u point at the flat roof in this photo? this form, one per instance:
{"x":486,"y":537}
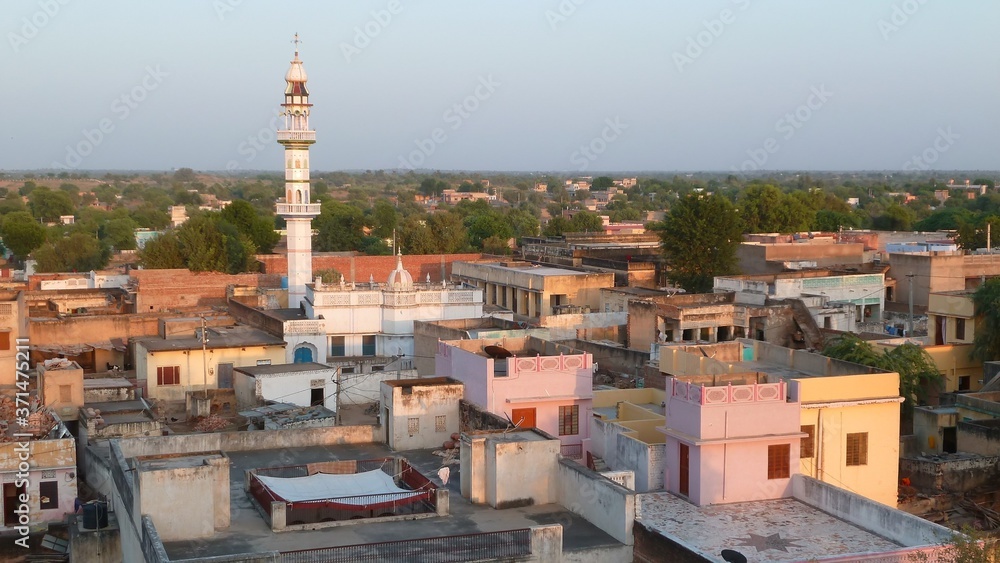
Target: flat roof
{"x":159,"y":463}
{"x":218,"y":337}
{"x":767,"y":530}
{"x":273,"y":369}
{"x":421,"y":381}
{"x":248,"y":532}
{"x":532,"y":269}
{"x":286,"y":314}
{"x":106,"y":383}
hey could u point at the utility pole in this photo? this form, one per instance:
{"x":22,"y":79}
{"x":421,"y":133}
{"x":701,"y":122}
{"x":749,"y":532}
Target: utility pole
{"x":910,"y":286}
{"x":204,"y":356}
{"x":336,"y":381}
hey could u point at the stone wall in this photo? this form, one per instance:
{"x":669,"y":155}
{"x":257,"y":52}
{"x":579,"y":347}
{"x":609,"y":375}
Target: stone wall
{"x":950,"y":473}
{"x":161,"y":290}
{"x":362,"y":268}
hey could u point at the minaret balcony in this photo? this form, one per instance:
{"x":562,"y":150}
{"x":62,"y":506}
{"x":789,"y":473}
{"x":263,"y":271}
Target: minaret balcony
{"x":298,"y":209}
{"x":309,"y":136}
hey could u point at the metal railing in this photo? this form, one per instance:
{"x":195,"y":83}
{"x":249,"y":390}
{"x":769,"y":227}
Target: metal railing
{"x":297,"y":208}
{"x":508,"y":544}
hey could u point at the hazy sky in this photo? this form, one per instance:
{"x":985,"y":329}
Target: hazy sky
{"x":505,"y":85}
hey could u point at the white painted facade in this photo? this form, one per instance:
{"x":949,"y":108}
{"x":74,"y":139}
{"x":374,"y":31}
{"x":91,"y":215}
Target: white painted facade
{"x":376,"y":319}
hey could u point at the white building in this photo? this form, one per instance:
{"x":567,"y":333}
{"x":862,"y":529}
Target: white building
{"x":304,"y":384}
{"x":376,"y":319}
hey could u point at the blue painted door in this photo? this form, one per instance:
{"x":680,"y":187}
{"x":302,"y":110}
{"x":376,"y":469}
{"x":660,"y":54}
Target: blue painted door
{"x":303,"y":355}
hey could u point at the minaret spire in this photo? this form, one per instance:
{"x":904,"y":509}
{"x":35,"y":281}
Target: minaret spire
{"x":296,"y":207}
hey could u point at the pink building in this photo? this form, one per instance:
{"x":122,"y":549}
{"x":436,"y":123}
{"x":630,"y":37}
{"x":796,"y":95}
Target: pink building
{"x":728,"y":441}
{"x":535,"y":383}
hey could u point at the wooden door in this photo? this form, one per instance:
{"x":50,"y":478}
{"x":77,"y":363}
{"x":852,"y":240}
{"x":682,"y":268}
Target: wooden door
{"x":684,"y":468}
{"x":523,"y":418}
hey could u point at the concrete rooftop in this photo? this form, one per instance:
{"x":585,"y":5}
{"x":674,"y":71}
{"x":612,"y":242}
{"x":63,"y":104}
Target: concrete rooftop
{"x":249,"y":532}
{"x":768,"y":531}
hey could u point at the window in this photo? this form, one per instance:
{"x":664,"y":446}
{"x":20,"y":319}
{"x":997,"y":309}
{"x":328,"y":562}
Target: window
{"x":337,"y":347}
{"x":569,"y":420}
{"x":5,"y":340}
{"x":440,"y":423}
{"x":368,"y":345}
{"x":778,"y":461}
{"x":316,"y":397}
{"x":960,"y":329}
{"x":964,"y":382}
{"x":345,"y":370}
{"x":48,"y":495}
{"x":857,"y":449}
{"x":412,"y":426}
{"x":168,"y":375}
{"x":65,"y":393}
{"x":807,"y":447}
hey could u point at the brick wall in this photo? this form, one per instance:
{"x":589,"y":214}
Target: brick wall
{"x":367,"y":267}
{"x":161,"y":290}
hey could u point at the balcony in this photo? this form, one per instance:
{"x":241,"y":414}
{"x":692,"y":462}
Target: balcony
{"x":304,"y":136}
{"x":298,"y":209}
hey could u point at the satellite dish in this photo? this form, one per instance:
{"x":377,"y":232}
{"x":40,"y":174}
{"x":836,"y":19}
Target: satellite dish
{"x":733,"y":556}
{"x":497,"y":352}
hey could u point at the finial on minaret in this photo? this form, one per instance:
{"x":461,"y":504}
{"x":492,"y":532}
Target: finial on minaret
{"x":296,"y":41}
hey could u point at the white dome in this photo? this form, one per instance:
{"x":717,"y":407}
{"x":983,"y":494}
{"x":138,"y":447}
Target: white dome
{"x":400,"y":278}
{"x":296,"y":72}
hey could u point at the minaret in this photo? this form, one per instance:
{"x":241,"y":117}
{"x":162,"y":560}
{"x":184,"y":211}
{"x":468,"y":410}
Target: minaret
{"x":296,"y":207}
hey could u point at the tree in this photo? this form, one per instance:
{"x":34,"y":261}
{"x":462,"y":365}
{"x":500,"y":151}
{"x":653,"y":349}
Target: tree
{"x":242,"y":215}
{"x":120,"y":233}
{"x":328,"y":276}
{"x":340,"y":227}
{"x":917,"y":372}
{"x":80,"y":252}
{"x":49,"y":205}
{"x":384,"y":219}
{"x":986,"y":307}
{"x":895,"y":218}
{"x":22,"y":234}
{"x":700,"y":236}
{"x":586,"y":222}
{"x":602,"y":183}
{"x":162,"y":252}
{"x":556,"y":226}
{"x":523,"y":223}
{"x":490,"y":224}
{"x":432,"y":186}
{"x":827,"y":220}
{"x":184,"y":175}
{"x":766,"y":209}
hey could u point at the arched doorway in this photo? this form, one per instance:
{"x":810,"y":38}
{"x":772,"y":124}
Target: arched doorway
{"x":303,"y":355}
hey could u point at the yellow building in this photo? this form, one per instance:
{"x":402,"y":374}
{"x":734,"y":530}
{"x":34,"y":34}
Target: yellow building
{"x":624,"y":435}
{"x":950,"y":332}
{"x":171,"y":367}
{"x":849,"y":412}
{"x":12,"y":326}
{"x":853,"y":427}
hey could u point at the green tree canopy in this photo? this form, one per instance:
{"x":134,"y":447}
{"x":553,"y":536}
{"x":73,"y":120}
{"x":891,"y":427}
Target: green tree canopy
{"x":986,"y":304}
{"x":49,"y":205}
{"x":340,"y":227}
{"x":586,"y":222}
{"x":22,"y":233}
{"x":917,"y":372}
{"x":163,"y":253}
{"x":602,"y":183}
{"x":700,"y":236}
{"x":242,"y":215}
{"x":80,"y":252}
{"x":766,"y":209}
{"x":120,"y":233}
